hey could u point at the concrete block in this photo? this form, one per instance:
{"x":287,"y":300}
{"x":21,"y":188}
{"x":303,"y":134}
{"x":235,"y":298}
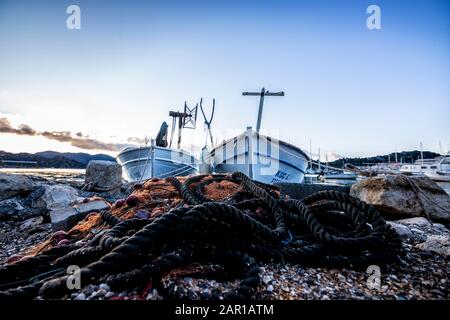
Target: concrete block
{"x":84,"y":209}
{"x":63,"y":218}
{"x":301,"y":190}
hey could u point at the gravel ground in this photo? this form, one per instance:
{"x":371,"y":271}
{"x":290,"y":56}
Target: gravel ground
{"x":16,"y":236}
{"x":419,"y":279}
{"x":419,"y":275}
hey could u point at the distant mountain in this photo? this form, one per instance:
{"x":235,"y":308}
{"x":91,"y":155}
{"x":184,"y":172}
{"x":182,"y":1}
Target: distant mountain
{"x":53,"y":159}
{"x":404,"y":156}
{"x":80,"y":157}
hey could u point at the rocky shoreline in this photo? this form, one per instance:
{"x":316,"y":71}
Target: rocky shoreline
{"x":31,"y":209}
{"x":34,"y":205}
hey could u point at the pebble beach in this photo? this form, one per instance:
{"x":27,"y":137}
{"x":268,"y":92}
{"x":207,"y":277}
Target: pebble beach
{"x":422,"y":273}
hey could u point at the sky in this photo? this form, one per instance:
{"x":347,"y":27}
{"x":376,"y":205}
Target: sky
{"x":350,"y":90}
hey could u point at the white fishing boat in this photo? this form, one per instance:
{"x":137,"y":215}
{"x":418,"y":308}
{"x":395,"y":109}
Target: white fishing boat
{"x":142,"y":163}
{"x":437,"y":169}
{"x":159,"y":159}
{"x":262,"y":158}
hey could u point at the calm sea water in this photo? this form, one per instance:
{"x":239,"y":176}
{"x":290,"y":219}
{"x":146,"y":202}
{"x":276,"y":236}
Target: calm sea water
{"x":42,"y":170}
{"x":78,"y":175}
{"x":71,"y":176}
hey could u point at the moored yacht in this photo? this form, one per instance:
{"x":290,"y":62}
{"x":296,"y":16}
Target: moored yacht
{"x":437,"y":169}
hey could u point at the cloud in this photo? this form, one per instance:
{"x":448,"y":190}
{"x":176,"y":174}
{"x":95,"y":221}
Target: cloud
{"x":5,"y":127}
{"x":332,"y":156}
{"x":136,"y":140}
{"x":26,"y":130}
{"x":82,"y":143}
{"x":79,"y":141}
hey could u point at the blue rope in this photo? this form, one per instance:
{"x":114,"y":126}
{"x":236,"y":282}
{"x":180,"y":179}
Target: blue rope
{"x":288,"y":240}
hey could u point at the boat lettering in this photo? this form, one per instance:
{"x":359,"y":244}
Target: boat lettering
{"x":281,"y":175}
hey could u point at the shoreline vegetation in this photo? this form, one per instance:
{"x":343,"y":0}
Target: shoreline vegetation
{"x":403,"y":157}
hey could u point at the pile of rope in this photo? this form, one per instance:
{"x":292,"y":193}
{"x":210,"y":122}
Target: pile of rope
{"x":250,"y":226}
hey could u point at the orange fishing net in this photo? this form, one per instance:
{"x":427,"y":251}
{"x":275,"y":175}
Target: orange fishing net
{"x":153,"y":198}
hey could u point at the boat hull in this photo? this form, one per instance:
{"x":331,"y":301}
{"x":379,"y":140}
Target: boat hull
{"x":138,"y":164}
{"x":269,"y":160}
{"x":439,"y":177}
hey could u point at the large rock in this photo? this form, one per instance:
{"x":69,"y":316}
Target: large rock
{"x":440,"y":227}
{"x":13,"y":184}
{"x":11,"y":207}
{"x":404,"y":196}
{"x":436,"y":244}
{"x":103,"y":175}
{"x":419,"y":221}
{"x":55,"y":196}
{"x":403,"y":231}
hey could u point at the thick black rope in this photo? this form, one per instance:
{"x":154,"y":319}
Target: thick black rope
{"x":107,"y":217}
{"x":184,"y":191}
{"x":268,"y":198}
{"x":30,"y":266}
